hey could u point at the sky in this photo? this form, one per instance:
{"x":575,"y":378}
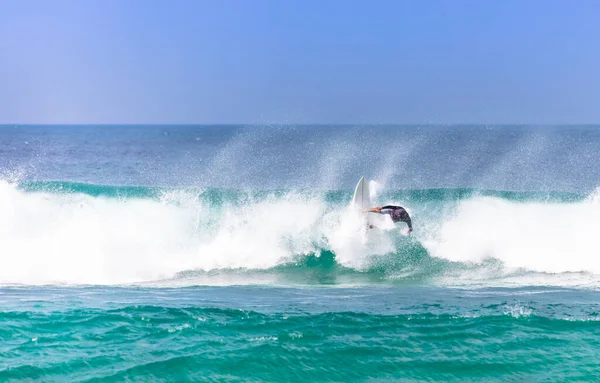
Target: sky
{"x":297,"y":62}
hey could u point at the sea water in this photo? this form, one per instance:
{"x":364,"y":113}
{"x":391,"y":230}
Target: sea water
{"x":228,"y":253}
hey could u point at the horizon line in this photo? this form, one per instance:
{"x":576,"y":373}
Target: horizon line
{"x":304,"y":124}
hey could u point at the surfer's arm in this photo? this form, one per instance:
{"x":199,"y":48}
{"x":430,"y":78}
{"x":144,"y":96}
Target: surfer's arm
{"x":374,"y":210}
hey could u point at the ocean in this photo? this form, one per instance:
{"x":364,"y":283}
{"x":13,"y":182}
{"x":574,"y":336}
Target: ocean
{"x":228,"y":253}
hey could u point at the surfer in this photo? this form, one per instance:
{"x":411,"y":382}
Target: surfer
{"x":397,"y":213}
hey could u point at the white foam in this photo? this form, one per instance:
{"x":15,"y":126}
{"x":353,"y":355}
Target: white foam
{"x":542,"y":237}
{"x":46,"y":238}
{"x":80,"y":239}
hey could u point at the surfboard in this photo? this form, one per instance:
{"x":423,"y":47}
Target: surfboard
{"x":362,"y":199}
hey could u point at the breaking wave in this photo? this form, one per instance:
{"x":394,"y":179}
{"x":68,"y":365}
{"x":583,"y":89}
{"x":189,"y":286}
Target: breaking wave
{"x":60,"y":232}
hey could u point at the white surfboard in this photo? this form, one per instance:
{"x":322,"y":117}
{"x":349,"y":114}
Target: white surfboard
{"x":362,"y":198}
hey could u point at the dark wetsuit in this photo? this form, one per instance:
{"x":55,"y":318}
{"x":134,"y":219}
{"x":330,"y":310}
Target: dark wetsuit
{"x":398,"y":214}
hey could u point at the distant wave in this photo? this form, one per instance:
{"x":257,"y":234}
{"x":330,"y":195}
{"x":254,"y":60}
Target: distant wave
{"x":74,"y":233}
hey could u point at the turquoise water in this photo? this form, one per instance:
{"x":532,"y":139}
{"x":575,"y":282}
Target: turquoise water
{"x":229,"y":254}
{"x":299,"y":334}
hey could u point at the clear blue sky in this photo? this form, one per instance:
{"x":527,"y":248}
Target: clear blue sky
{"x":261,"y":61}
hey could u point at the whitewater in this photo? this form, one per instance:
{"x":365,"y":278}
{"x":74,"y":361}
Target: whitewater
{"x":69,"y":233}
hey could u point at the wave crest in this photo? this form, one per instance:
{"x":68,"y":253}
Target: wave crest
{"x":56,"y":232}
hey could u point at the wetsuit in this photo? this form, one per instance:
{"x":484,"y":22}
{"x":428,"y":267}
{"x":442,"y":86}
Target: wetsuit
{"x":398,"y":214}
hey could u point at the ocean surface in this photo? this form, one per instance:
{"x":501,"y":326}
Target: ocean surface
{"x":229,"y":253}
